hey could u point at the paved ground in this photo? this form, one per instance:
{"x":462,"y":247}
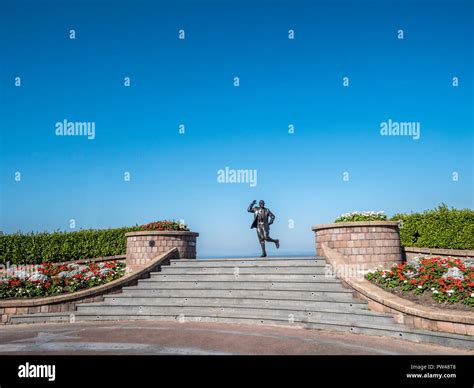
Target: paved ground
{"x":197,"y":338}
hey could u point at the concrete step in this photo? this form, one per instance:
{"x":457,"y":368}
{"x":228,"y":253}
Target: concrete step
{"x":102,"y":309}
{"x":307,"y":262}
{"x":342,"y":295}
{"x":241,"y":285}
{"x":390,"y":330}
{"x":122,"y":300}
{"x":268,"y":277}
{"x":244,"y":270}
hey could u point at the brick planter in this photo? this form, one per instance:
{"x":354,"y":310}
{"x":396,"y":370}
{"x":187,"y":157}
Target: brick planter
{"x":143,"y":246}
{"x":362,"y":242}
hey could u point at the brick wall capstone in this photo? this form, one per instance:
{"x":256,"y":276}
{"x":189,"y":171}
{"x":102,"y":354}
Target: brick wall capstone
{"x":412,"y":252}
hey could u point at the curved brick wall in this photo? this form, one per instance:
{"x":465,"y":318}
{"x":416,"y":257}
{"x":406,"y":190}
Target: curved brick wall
{"x":374,"y":242}
{"x":404,"y":311}
{"x":143,"y":246}
{"x":411,"y":252}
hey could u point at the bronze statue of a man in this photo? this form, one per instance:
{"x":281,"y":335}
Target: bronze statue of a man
{"x":262,"y":220}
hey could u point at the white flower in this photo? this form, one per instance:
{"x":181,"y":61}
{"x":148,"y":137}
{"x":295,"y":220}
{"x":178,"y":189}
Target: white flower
{"x":410,"y":274}
{"x":435,"y":292}
{"x":455,"y":273}
{"x":472,"y":295}
{"x":420,"y":287}
{"x":405,"y":281}
{"x":38,"y":277}
{"x":450,"y":291}
{"x":105,"y":271}
{"x":22,"y":275}
{"x":384,"y":276}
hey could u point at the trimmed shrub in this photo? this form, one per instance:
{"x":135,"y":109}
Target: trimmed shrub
{"x":35,"y":248}
{"x":438,"y":228}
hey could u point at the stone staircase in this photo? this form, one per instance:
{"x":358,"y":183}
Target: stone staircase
{"x":273,"y":291}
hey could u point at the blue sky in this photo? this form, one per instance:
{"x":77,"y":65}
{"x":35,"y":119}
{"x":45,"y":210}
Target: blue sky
{"x":190,"y":82}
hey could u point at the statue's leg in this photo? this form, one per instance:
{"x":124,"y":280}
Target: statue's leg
{"x":275,"y":241}
{"x":261,"y":238}
{"x":268,"y":238}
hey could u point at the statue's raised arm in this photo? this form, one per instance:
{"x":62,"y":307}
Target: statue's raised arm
{"x":251,"y":208}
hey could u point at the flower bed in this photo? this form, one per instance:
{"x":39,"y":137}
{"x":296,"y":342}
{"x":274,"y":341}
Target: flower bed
{"x":52,"y":279}
{"x":361,"y":216}
{"x":165,"y":226}
{"x":447,"y":280}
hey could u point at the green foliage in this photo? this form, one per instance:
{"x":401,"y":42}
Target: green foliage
{"x":53,"y":279}
{"x":447,"y":280}
{"x":361,"y":216}
{"x":34,"y":248}
{"x":438,"y":228}
{"x":165,"y":225}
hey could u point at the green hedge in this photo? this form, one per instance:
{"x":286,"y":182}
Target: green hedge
{"x":438,"y":228}
{"x":34,"y":248}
